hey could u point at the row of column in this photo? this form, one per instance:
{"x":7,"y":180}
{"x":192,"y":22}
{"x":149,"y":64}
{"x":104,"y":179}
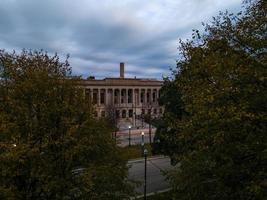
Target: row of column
{"x":120,"y":96}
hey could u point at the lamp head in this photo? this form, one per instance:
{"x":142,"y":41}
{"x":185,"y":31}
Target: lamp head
{"x":145,"y":151}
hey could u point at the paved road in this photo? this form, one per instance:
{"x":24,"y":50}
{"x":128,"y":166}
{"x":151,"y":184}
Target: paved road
{"x":156,"y":166}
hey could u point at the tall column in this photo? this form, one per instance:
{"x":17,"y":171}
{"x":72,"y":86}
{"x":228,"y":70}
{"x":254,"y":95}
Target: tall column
{"x":133,"y":96}
{"x":112,"y":96}
{"x":145,"y":96}
{"x":106,"y":97}
{"x":98,"y":97}
{"x":119,"y":101}
{"x":126,"y":96}
{"x":154,"y":93}
{"x":150,"y":96}
{"x":141,"y":90}
{"x":91,"y":95}
{"x":138,"y":96}
{"x":157,"y":96}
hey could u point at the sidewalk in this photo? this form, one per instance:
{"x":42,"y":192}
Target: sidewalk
{"x":135,"y":131}
{"x":151,"y":158}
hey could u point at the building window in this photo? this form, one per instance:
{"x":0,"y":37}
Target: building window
{"x":103,"y":113}
{"x":142,"y":97}
{"x":154,"y":97}
{"x":116,"y":99}
{"x":148,"y":97}
{"x":95,"y":114}
{"x":130,"y":113}
{"x":94,"y":98}
{"x":102,"y":98}
{"x":130,"y":96}
{"x":123,"y":114}
{"x":117,"y":113}
{"x":122,"y":96}
{"x":155,"y":111}
{"x":160,"y":110}
{"x":143,"y":111}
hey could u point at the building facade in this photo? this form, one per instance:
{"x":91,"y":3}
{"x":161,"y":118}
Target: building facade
{"x":128,"y":98}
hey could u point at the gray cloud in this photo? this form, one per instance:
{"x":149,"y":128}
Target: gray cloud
{"x":99,"y":35}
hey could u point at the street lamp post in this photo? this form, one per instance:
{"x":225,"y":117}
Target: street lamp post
{"x":145,"y":154}
{"x":129,"y":135}
{"x":143,"y":142}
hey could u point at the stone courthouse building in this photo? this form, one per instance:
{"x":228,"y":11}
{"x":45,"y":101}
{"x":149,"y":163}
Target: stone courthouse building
{"x":129,"y":98}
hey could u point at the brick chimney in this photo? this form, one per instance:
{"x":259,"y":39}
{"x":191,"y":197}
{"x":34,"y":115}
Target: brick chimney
{"x":121,"y":70}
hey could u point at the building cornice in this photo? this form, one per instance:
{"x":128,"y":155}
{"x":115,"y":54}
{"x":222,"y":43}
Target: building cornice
{"x":122,"y":82}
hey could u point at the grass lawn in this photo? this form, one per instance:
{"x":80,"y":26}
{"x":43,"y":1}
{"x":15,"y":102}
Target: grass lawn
{"x":134,"y":151}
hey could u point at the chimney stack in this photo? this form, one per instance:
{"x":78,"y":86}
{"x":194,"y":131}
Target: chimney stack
{"x":121,"y":70}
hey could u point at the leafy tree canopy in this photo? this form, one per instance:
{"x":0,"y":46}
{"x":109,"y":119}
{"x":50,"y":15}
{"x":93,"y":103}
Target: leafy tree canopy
{"x":48,"y":134}
{"x":220,"y":139}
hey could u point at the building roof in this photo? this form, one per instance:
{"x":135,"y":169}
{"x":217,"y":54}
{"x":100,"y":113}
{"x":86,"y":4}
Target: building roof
{"x":122,"y":82}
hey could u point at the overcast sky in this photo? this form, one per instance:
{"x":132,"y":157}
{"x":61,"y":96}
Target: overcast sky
{"x":98,"y":34}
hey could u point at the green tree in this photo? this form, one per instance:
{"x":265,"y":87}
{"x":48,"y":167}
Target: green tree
{"x":48,"y":135}
{"x":221,"y":141}
{"x":165,"y":137}
{"x":112,"y":120}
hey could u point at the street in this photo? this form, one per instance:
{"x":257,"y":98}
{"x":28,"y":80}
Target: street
{"x":156,"y":166}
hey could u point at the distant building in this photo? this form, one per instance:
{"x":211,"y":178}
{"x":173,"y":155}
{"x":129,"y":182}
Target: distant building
{"x":129,"y":98}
